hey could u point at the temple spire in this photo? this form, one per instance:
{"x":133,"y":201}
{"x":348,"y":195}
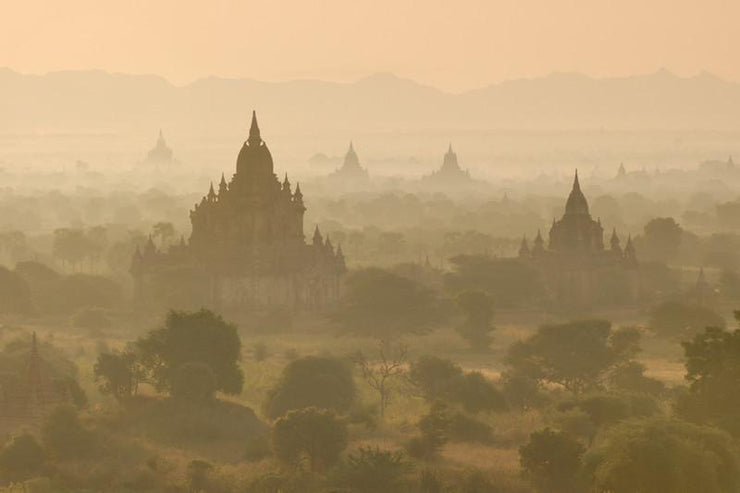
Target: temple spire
{"x":254,"y":131}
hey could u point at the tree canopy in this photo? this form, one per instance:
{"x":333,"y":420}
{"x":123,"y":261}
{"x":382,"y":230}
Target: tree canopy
{"x":193,"y":337}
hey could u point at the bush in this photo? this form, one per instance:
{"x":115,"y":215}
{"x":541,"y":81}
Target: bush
{"x":369,"y":470}
{"x":663,"y":455}
{"x":434,"y":428}
{"x":315,"y":435}
{"x":194,"y":382}
{"x":462,"y":428}
{"x":257,"y":448}
{"x":551,"y":460}
{"x":21,"y":458}
{"x":64,"y":436}
{"x":313,"y":381}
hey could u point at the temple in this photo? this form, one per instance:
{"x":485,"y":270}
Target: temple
{"x":160,"y":154}
{"x":247,"y":246}
{"x":351,"y":168}
{"x":450,"y":172}
{"x":575,"y":262}
{"x":31,"y":391}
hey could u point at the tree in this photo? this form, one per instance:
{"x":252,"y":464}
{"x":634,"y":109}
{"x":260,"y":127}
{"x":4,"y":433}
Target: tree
{"x":438,"y":379}
{"x":434,"y":428}
{"x":321,"y":382}
{"x":661,"y":454}
{"x":118,"y":374}
{"x":21,"y":458}
{"x":551,"y":460}
{"x":383,"y":304}
{"x":71,"y":246}
{"x":315,"y":435}
{"x":193,"y":381}
{"x":576,"y":355}
{"x":682,"y":320}
{"x":477,"y":307}
{"x":15,"y":294}
{"x":510,"y":282}
{"x":193,"y":337}
{"x":372,"y":470}
{"x":64,"y":436}
{"x":381,"y":373}
{"x":661,"y":239}
{"x":713,"y":372}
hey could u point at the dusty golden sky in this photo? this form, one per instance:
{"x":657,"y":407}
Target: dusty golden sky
{"x":453,"y":45}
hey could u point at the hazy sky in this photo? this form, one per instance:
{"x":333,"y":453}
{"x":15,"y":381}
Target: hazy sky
{"x":453,"y":45}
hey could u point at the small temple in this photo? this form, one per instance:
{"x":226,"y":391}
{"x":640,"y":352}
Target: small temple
{"x":31,"y":391}
{"x":161,"y":153}
{"x":450,"y":172}
{"x":351,"y":168}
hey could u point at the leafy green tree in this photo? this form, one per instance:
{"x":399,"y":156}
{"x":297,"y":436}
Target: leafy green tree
{"x":21,"y":458}
{"x":576,"y":355}
{"x":372,"y":470}
{"x":385,"y":305}
{"x":663,"y":455}
{"x":522,"y":392}
{"x":713,"y":372}
{"x":477,"y":307}
{"x":193,"y":337}
{"x":313,"y":381}
{"x":551,"y":460}
{"x":682,"y":320}
{"x":311,"y":434}
{"x":476,"y":394}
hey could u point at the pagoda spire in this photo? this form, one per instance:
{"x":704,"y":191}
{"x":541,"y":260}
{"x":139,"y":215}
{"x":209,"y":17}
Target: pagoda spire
{"x":222,"y":186}
{"x":317,"y":240}
{"x":254,"y":131}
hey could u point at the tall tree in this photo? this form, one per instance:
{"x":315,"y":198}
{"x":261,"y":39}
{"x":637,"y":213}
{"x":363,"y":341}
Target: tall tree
{"x":193,"y":337}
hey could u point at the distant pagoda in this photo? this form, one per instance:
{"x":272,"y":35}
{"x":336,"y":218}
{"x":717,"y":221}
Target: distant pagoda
{"x":160,"y":154}
{"x":450,"y":172}
{"x":351,"y":168}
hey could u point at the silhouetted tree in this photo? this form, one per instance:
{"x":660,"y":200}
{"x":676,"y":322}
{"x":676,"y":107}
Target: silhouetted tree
{"x":372,"y":470}
{"x":477,"y":308}
{"x":385,"y":305}
{"x":683,"y":320}
{"x":576,"y":355}
{"x":21,"y":458}
{"x":381,"y":373}
{"x":118,"y":374}
{"x":661,"y":239}
{"x":315,"y":435}
{"x":713,"y":371}
{"x":551,"y":460}
{"x":165,"y":231}
{"x":64,"y":436}
{"x":321,"y":382}
{"x":663,"y":455}
{"x":193,"y":337}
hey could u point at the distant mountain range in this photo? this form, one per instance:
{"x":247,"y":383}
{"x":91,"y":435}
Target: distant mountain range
{"x":100,"y":102}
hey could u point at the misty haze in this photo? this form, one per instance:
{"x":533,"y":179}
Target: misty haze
{"x":370,"y":247}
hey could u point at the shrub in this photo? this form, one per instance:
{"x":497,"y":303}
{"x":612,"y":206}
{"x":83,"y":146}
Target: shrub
{"x":313,"y":381}
{"x":371,"y":470}
{"x":194,"y":382}
{"x":663,"y":455}
{"x":21,"y":458}
{"x":551,"y":460}
{"x":315,"y":435}
{"x":64,"y":436}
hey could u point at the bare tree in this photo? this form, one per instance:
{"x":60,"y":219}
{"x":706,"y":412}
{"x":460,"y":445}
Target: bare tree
{"x":389,"y":365}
